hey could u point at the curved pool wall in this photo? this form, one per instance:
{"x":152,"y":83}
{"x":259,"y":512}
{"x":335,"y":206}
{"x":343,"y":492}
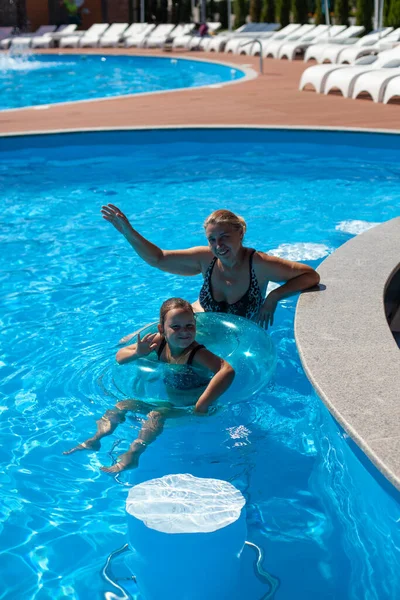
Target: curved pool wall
{"x":39,"y":80}
{"x":347,"y":347}
{"x":72,"y":289}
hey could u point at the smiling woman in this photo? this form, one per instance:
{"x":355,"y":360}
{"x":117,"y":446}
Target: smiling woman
{"x":235,"y":277}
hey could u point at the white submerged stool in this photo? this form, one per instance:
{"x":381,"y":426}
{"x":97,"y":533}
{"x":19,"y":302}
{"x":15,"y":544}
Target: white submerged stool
{"x":187,"y":535}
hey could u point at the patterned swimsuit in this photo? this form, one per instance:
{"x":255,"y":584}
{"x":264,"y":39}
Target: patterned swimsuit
{"x":248,"y":306}
{"x":183,"y":377}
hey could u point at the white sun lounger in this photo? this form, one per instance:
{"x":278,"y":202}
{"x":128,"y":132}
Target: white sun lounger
{"x":375,"y":82}
{"x":235,"y":45}
{"x":218,"y":42}
{"x":273,"y":47}
{"x":47,"y":39}
{"x":348,"y":36}
{"x":334,"y":53}
{"x":324,"y":78}
{"x":392,"y":89}
{"x":138,"y":39}
{"x":89,"y":37}
{"x":159,"y":35}
{"x":113,"y":35}
{"x":283,"y":35}
{"x":25,"y":41}
{"x":371,"y":45}
{"x":344,"y":79}
{"x":321,"y":33}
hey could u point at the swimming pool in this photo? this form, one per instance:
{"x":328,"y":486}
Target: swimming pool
{"x":72,"y":288}
{"x":40,"y":79}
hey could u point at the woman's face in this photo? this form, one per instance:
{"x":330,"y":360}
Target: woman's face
{"x":224,"y":240}
{"x":179,"y":328}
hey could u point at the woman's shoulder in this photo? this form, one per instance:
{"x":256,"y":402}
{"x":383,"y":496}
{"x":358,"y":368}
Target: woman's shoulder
{"x":261,"y":263}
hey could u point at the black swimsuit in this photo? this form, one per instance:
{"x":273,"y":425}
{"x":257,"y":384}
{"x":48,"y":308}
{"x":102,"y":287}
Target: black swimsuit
{"x":248,"y":306}
{"x":183,"y":377}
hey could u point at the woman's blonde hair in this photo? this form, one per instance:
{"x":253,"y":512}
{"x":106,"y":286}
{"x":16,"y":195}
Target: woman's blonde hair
{"x":226,"y":217}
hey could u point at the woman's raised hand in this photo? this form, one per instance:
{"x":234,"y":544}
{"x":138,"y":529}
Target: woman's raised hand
{"x":113,"y":215}
{"x":146,"y":345}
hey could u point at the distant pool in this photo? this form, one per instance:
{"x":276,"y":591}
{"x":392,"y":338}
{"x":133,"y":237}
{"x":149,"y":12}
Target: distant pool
{"x":48,"y":78}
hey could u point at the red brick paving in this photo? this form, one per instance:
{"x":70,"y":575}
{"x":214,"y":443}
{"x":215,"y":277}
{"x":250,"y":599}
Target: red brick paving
{"x":269,"y":99}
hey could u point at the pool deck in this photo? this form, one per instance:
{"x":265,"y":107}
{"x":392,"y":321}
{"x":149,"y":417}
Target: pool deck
{"x":269,"y":99}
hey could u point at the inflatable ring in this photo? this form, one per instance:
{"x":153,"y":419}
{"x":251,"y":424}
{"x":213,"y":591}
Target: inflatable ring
{"x":242,"y":343}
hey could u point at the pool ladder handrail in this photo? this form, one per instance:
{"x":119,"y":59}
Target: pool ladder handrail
{"x":261,"y":56}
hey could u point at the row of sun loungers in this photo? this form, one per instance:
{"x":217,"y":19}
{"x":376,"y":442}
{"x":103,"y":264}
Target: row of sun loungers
{"x":105,"y":35}
{"x":375,"y":74}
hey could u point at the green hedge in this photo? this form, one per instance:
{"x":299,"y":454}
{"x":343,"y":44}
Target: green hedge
{"x":342,"y":12}
{"x":283,"y":12}
{"x":393,"y":18}
{"x":300,"y":11}
{"x":240,"y":13}
{"x":365,"y":13}
{"x":268,"y":11}
{"x":255,"y":11}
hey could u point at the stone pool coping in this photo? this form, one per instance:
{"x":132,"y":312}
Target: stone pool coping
{"x":347,"y":349}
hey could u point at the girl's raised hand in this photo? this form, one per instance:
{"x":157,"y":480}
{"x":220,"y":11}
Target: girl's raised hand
{"x":146,"y":345}
{"x":116,"y":217}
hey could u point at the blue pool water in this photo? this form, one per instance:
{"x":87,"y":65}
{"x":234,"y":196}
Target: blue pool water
{"x":71,"y":288}
{"x":46,"y":79}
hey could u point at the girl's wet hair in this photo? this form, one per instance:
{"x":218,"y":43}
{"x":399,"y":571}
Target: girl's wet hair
{"x":172,"y":304}
{"x":226,"y":217}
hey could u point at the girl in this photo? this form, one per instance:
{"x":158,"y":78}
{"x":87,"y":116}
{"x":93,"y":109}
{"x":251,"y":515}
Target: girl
{"x":174,"y":343}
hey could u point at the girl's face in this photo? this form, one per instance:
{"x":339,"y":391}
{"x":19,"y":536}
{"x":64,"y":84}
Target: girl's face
{"x":179,"y":328}
{"x":224,"y":240}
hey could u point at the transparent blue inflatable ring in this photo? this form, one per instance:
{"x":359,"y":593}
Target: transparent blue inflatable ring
{"x":242,"y":343}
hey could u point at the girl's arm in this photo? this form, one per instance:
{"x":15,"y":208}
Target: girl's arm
{"x":179,"y":262}
{"x":297,"y":277}
{"x":224,"y":374}
{"x":143,"y":347}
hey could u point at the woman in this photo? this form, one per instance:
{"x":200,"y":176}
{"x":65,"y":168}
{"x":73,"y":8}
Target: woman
{"x":235,"y":277}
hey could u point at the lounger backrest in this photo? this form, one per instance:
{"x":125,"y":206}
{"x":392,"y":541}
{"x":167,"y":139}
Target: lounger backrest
{"x":5,"y":32}
{"x":134,"y":29}
{"x":373,"y":38}
{"x":161,"y":31}
{"x":96,"y":30}
{"x":213,"y":26}
{"x":188,"y":28}
{"x":301,"y":32}
{"x":332,"y":32}
{"x":388,"y":58}
{"x":286,"y":31}
{"x":351,"y":31}
{"x":67,"y":29}
{"x":145,"y":32}
{"x":45,"y":29}
{"x":315,"y":33}
{"x":115,"y":30}
{"x":394,"y":36}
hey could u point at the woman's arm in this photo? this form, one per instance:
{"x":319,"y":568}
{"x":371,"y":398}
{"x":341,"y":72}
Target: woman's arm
{"x":178,"y":262}
{"x":224,"y":374}
{"x":143,"y":347}
{"x":297,"y":277}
